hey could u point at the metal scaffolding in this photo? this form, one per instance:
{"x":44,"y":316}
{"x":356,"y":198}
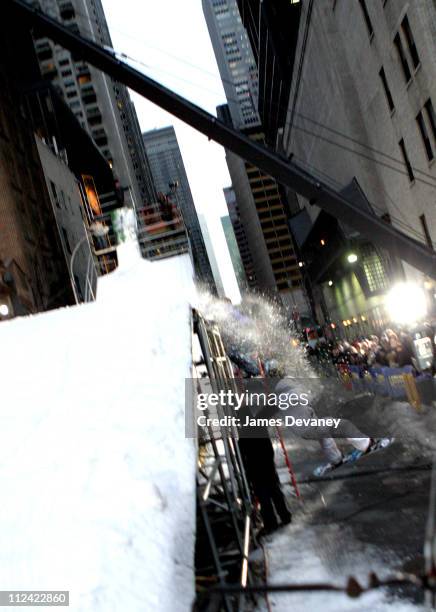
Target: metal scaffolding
{"x":225,"y":509}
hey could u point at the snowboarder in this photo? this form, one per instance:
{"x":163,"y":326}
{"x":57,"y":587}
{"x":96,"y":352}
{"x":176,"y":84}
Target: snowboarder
{"x":333,"y":455}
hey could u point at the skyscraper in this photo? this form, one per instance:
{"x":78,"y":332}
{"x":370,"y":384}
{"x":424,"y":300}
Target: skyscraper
{"x":272,"y":28}
{"x":167,"y":167}
{"x":261,"y":201}
{"x":211,"y":254}
{"x":235,"y":60}
{"x":246,"y":278}
{"x":102,"y":105}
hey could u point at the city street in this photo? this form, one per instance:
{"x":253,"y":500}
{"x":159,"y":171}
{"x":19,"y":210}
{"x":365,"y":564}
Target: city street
{"x":362,"y":518}
{"x":217,"y":242}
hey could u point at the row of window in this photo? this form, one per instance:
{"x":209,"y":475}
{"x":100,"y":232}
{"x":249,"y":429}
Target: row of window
{"x":425,"y":119}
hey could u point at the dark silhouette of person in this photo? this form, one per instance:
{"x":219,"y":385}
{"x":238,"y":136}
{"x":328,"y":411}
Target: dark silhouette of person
{"x":257,"y":454}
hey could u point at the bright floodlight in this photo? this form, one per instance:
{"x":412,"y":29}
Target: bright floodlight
{"x":406,"y":303}
{"x":352,"y":258}
{"x":4,"y":310}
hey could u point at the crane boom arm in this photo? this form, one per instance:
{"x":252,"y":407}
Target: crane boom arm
{"x":397,"y":243}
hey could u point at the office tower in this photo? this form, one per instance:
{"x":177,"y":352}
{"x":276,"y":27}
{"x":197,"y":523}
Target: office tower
{"x":262,"y":203}
{"x":167,"y":169}
{"x":102,"y":105}
{"x":361,"y":116}
{"x":235,"y":60}
{"x":272,"y":28}
{"x":212,"y":257}
{"x":237,"y":243}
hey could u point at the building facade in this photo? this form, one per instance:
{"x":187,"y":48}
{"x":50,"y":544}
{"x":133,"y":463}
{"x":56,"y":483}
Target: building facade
{"x":362,"y":112}
{"x":235,"y":256}
{"x":235,"y":60}
{"x":272,"y":29}
{"x":248,"y":277}
{"x":67,"y":204}
{"x":102,"y":106}
{"x":264,"y":217}
{"x":211,"y":255}
{"x":34,"y":275}
{"x":262,"y":204}
{"x":168,"y":171}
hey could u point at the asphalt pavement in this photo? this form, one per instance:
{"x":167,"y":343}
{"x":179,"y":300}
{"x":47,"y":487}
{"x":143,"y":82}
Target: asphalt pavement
{"x":365,"y":517}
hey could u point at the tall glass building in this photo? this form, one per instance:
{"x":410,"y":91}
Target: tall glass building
{"x":167,"y":167}
{"x":102,"y":106}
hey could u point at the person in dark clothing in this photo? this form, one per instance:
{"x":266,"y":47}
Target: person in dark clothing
{"x":258,"y":458}
{"x":257,"y":454}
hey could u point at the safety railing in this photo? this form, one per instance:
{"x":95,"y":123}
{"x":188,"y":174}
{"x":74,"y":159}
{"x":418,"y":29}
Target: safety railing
{"x":225,"y":510}
{"x":395,"y":383}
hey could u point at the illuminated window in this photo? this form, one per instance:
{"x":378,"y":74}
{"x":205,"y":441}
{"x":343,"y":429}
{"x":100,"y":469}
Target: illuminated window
{"x":84,"y":78}
{"x":374,"y":270}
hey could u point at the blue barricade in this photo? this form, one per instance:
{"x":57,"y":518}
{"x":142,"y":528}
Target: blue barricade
{"x":357,"y":380}
{"x":388,"y":382}
{"x":395,"y":381}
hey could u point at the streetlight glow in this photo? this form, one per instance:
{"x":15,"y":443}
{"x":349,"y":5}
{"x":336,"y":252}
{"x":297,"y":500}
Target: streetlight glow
{"x":330,"y":283}
{"x":406,"y":303}
{"x":352,"y":258}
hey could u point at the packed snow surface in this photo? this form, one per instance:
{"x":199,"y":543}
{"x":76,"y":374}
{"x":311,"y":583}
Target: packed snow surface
{"x":97,"y":478}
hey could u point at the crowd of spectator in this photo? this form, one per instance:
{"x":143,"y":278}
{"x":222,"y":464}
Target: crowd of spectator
{"x":390,"y":349}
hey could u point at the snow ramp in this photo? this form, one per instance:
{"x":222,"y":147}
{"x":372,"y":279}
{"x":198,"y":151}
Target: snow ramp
{"x":97,"y":479}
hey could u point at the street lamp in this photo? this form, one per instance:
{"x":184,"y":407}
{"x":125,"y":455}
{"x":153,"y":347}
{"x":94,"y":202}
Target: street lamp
{"x":406,"y":303}
{"x":352,"y":258}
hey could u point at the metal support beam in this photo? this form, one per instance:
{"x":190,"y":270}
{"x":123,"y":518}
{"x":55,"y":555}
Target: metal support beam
{"x":285,"y":172}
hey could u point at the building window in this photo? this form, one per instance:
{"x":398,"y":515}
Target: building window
{"x":100,"y":137}
{"x":425,"y":136}
{"x":84,"y":78}
{"x":405,"y":26}
{"x":54,"y":194}
{"x":387,"y":90}
{"x":374,"y":270}
{"x":67,"y":242}
{"x":406,"y":160}
{"x":431,"y":116}
{"x":426,"y":231}
{"x":89,"y":95}
{"x":367,"y":18}
{"x":403,"y":59}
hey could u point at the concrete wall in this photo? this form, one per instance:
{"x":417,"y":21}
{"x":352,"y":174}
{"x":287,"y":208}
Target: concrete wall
{"x":342,"y":124}
{"x":67,"y":208}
